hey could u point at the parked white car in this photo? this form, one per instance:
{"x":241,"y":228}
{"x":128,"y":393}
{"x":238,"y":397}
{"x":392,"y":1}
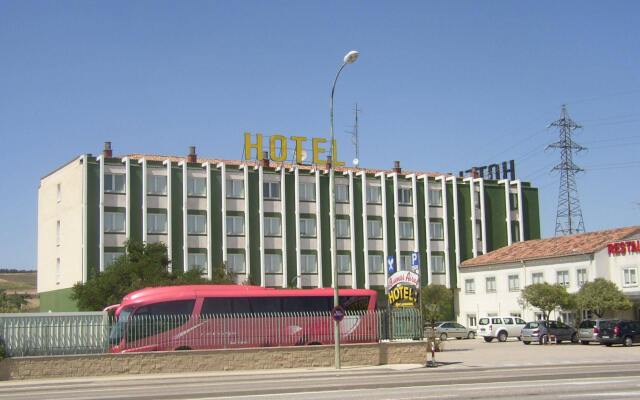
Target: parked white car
{"x":500,"y":328}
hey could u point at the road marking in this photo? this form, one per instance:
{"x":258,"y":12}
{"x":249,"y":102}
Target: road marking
{"x":609,"y":394}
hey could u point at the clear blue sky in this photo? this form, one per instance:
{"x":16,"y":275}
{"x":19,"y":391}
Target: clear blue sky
{"x":443,"y":86}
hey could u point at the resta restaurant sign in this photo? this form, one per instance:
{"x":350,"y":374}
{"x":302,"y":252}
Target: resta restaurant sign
{"x":279,"y":148}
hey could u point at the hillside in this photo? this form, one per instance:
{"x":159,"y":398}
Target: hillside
{"x":21,"y":282}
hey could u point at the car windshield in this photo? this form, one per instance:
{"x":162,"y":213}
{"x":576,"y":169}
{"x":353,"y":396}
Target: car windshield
{"x":588,"y":324}
{"x":484,"y":321}
{"x":117,"y":330}
{"x":531,"y":325}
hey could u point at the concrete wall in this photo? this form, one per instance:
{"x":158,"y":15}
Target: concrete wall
{"x":211,"y":360}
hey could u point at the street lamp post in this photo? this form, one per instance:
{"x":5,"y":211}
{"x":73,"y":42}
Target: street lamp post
{"x":349,"y":58}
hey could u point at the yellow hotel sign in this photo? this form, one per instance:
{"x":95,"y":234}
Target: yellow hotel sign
{"x":279,"y":144}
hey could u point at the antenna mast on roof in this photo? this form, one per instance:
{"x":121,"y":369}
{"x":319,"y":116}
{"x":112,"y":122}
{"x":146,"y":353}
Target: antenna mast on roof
{"x":569,"y":215}
{"x":354,"y":136}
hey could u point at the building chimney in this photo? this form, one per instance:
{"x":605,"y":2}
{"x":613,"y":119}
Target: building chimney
{"x":396,"y":167}
{"x":107,"y":153}
{"x":265,"y":159}
{"x":192,"y":157}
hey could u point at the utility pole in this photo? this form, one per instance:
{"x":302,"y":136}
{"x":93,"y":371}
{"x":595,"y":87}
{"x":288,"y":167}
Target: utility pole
{"x":569,"y":215}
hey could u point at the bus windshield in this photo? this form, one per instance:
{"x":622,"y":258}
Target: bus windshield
{"x":117,"y":330}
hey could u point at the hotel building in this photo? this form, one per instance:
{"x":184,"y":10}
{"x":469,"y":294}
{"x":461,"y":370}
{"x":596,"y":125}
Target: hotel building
{"x":270,"y":223}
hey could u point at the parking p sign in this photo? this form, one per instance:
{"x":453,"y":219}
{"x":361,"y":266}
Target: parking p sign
{"x":415,"y":261}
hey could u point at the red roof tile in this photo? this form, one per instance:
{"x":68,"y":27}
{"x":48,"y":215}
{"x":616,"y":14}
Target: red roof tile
{"x":584,"y":243}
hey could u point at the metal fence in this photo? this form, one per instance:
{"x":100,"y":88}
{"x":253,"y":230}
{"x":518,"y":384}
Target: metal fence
{"x":42,"y":334}
{"x":86,"y":333}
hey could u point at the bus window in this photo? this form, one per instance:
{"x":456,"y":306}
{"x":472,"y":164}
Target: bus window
{"x":266,"y":304}
{"x":306,"y":304}
{"x":216,"y":306}
{"x":354,"y":303}
{"x":159,"y":317}
{"x":241,"y":305}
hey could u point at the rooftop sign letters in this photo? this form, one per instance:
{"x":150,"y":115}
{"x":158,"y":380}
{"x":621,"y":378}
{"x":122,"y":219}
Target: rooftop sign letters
{"x":280,"y":145}
{"x":623,"y":248}
{"x":492,"y":171}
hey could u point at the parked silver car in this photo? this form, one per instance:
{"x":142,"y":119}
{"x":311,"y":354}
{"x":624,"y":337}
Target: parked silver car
{"x":448,"y":329}
{"x":543,"y":331}
{"x":586,"y":332}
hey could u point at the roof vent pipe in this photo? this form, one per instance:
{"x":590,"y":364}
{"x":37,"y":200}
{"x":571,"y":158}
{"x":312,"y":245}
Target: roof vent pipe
{"x":192,"y":157}
{"x":396,"y":167}
{"x":107,"y":152}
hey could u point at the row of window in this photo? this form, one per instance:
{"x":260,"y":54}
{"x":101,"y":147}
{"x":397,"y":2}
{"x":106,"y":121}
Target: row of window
{"x":114,"y":222}
{"x":562,"y":278}
{"x":309,"y":262}
{"x":196,"y":186}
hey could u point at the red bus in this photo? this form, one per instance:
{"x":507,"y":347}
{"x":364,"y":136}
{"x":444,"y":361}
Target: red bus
{"x":232,"y":316}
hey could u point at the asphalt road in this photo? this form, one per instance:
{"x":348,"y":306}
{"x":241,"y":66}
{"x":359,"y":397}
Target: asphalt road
{"x":468,"y":370}
{"x":621,"y":380}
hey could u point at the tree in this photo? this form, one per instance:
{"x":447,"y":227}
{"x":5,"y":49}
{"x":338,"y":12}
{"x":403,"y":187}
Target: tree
{"x":545,"y":297}
{"x":12,"y":303}
{"x":601,"y":296}
{"x":437,"y":303}
{"x":142,"y":265}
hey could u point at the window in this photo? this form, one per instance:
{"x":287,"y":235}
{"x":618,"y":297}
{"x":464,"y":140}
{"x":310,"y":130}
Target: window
{"x":515,"y":231}
{"x":491,"y":284}
{"x":58,"y":270}
{"x":567,"y":318}
{"x":309,"y":263}
{"x":235,"y":188}
{"x":273,"y":263}
{"x":435,"y":197}
{"x":404,"y":196}
{"x":342,"y":228}
{"x":196,"y":186}
{"x":477,"y":199}
{"x":514,"y":283}
{"x":507,"y":321}
{"x":307,"y":191}
{"x":437,"y":263}
{"x":404,"y":262}
{"x":374,"y":228}
{"x":581,"y":276}
{"x":471,"y":320}
{"x":308,"y":227}
{"x":435,"y":230}
{"x":156,"y":223}
{"x":630,"y":276}
{"x":343,"y":263}
{"x":271,"y":190}
{"x":513,"y":201}
{"x":58,"y":233}
{"x":235,"y":263}
{"x":197,"y":261}
{"x":469,"y":286}
{"x":58,"y":192}
{"x":235,"y":225}
{"x":114,"y":183}
{"x":538,"y":316}
{"x":342,"y":193}
{"x":272,"y":226}
{"x":537,"y":277}
{"x":374,"y":194}
{"x":376,"y":264}
{"x":478,"y":230}
{"x":196,"y":224}
{"x":156,"y":184}
{"x":516,"y":314}
{"x":114,"y":221}
{"x":563,"y":278}
{"x":111,"y":256}
{"x":406,"y":229}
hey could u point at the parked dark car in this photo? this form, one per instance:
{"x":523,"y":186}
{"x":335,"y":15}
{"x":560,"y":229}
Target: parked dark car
{"x":542,"y":331}
{"x":617,"y":331}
